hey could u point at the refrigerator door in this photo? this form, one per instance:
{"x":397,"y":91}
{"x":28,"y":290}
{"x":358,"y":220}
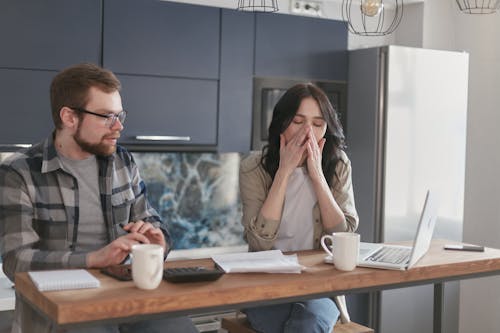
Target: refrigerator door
{"x":424,"y":148}
{"x":425,"y":139}
{"x":406,"y":133}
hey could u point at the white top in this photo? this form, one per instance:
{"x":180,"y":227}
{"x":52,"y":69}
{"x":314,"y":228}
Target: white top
{"x":296,"y":228}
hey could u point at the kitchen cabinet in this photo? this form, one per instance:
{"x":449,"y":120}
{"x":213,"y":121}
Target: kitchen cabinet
{"x":186,"y":70}
{"x":300,"y":47}
{"x":161,"y":38}
{"x":38,"y":38}
{"x":159,"y":106}
{"x":49,"y":35}
{"x":25,"y":106}
{"x":235,"y":87}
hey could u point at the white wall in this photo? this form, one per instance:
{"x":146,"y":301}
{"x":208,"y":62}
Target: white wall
{"x":479,"y":35}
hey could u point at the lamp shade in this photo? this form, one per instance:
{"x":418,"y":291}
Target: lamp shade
{"x":372,"y":17}
{"x":478,"y":6}
{"x":266,"y":6}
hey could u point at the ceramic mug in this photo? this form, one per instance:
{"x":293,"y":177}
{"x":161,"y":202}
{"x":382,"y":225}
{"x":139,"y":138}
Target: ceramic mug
{"x":147,"y":265}
{"x":344,"y":249}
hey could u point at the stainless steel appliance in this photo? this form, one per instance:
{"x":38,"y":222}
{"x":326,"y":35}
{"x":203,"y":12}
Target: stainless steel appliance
{"x":267,"y":91}
{"x":407,"y":133}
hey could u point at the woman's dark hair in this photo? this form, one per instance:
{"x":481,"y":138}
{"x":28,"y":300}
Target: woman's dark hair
{"x":283,"y":114}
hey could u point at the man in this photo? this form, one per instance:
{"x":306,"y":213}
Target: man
{"x":76,"y":199}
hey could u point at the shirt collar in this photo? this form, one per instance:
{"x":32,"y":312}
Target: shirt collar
{"x":51,"y":161}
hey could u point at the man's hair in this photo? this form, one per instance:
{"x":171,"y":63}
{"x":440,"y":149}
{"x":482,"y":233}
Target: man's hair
{"x":71,"y":86}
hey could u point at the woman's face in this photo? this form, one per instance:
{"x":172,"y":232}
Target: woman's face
{"x":308,"y":114}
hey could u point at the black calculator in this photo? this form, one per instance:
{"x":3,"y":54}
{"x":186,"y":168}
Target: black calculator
{"x":192,"y":274}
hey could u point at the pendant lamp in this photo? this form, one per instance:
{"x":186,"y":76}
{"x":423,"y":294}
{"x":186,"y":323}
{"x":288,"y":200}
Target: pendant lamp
{"x":266,"y":6}
{"x":478,"y":6}
{"x":372,"y":17}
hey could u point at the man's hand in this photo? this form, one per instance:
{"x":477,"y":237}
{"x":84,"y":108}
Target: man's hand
{"x":115,"y":252}
{"x":154,"y":235}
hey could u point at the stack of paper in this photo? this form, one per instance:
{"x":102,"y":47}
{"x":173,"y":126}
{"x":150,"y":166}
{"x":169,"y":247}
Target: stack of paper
{"x":272,"y":261}
{"x":63,"y":279}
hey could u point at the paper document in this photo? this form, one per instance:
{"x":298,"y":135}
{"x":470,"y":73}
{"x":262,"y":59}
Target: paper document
{"x":273,"y":261}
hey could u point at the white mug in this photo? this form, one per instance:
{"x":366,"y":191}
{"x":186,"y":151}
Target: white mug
{"x":147,"y":265}
{"x":345,"y":249}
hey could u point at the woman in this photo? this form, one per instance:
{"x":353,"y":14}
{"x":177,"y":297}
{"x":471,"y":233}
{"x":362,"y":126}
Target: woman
{"x":296,"y":190}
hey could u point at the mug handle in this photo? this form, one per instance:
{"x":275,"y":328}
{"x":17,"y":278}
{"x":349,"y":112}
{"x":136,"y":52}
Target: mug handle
{"x":324,"y":246}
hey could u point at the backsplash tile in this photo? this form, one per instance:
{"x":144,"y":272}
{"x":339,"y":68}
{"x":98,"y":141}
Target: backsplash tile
{"x":197,"y":195}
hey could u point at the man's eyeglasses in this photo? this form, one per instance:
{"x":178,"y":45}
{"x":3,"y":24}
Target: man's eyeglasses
{"x":110,"y":117}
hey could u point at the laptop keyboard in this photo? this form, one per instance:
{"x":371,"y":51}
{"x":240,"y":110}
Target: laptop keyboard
{"x":391,"y":255}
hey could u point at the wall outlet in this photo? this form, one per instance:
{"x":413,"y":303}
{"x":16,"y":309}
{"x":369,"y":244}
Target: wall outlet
{"x":306,"y":7}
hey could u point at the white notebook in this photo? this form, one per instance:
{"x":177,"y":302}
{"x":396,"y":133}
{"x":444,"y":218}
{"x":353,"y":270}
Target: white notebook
{"x":63,"y":279}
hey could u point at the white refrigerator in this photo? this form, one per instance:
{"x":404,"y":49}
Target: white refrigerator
{"x":406,"y":133}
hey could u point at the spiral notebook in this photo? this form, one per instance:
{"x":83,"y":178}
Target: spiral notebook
{"x":63,"y":279}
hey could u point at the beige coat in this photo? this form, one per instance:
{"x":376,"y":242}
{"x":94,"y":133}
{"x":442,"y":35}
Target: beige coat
{"x":261,"y":233}
{"x":255,"y":182}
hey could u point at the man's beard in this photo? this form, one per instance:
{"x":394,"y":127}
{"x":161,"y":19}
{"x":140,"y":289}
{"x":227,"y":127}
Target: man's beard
{"x":99,"y":149}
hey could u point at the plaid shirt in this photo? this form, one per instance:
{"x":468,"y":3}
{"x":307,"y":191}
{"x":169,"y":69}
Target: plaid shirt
{"x":39,"y":210}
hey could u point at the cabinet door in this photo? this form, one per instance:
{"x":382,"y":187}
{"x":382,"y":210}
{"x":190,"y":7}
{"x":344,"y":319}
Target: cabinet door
{"x":300,"y":47}
{"x":169,"y":107}
{"x":24,"y":106}
{"x":161,"y":38}
{"x":49,"y":34}
{"x":235,"y":85}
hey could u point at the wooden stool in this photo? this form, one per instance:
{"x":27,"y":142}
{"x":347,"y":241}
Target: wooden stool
{"x":241,"y":325}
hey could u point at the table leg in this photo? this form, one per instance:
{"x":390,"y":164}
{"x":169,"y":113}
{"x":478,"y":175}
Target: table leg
{"x":438,"y":307}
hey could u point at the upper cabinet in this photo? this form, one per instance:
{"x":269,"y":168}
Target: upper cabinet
{"x":167,"y":57}
{"x":186,"y":70}
{"x":49,"y":35}
{"x":24,"y":106}
{"x":300,"y":47}
{"x":156,"y":106}
{"x":161,"y":38}
{"x":38,"y":38}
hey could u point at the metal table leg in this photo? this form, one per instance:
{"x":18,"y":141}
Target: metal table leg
{"x":438,"y":307}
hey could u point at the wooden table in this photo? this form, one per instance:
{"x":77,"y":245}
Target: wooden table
{"x":122,"y":301}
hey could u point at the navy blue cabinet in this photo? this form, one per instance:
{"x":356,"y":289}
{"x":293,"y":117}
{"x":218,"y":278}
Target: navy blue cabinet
{"x":37,"y":39}
{"x":24,"y":106}
{"x":167,"y":56}
{"x":161,"y":38}
{"x":169,"y":107}
{"x":49,"y":34}
{"x":300,"y":47}
{"x":187,"y":70}
{"x":235,"y":94}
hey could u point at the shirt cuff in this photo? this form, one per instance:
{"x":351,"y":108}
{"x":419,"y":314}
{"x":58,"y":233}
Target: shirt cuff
{"x":77,"y":260}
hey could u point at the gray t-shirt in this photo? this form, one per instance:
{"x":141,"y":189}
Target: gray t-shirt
{"x":91,"y":226}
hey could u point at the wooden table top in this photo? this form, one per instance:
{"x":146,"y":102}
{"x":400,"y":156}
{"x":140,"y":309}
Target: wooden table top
{"x":117,"y":299}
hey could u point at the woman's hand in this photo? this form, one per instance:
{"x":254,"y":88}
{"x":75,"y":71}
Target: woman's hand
{"x":292,"y":152}
{"x":314,"y":156}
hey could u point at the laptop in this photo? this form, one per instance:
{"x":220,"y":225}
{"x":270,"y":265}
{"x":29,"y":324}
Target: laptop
{"x":398,"y":257}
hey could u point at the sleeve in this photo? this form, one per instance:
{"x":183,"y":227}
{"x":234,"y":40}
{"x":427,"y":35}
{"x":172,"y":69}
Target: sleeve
{"x":259,"y":232}
{"x":141,"y":209}
{"x":20,"y":244}
{"x":344,"y":195}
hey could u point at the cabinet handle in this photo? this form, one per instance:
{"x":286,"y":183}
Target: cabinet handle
{"x":162,"y":138}
{"x":15,"y":145}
